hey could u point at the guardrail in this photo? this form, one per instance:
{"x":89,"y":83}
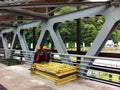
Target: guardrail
{"x":25,"y":56}
{"x":103,"y":69}
{"x":106,"y":70}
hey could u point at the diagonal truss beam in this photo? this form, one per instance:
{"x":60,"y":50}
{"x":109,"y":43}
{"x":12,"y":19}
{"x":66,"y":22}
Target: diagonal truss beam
{"x":112,"y":16}
{"x":29,"y":25}
{"x":4,"y":40}
{"x":5,"y":45}
{"x":56,"y":39}
{"x":7,"y":30}
{"x":13,"y":44}
{"x":54,"y":35}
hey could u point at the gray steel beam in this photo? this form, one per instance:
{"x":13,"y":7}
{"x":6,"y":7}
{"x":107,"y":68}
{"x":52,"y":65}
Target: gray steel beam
{"x":5,"y":45}
{"x":7,"y":30}
{"x":17,"y":20}
{"x":89,"y":12}
{"x":22,"y":40}
{"x":13,"y":44}
{"x":4,"y":40}
{"x":56,"y":39}
{"x":23,"y":44}
{"x":112,"y":15}
{"x":14,"y":1}
{"x":40,"y":39}
{"x":61,"y":41}
{"x":30,"y":25}
{"x":53,"y":4}
{"x":54,"y":35}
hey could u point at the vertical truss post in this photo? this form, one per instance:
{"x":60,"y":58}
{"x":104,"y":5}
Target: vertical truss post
{"x":78,"y":36}
{"x":34,"y":37}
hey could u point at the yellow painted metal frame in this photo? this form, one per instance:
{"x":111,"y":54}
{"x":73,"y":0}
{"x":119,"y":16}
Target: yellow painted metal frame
{"x":57,"y":72}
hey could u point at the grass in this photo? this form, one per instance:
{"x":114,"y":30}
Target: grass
{"x":9,"y":62}
{"x":105,"y":76}
{"x":115,"y":78}
{"x":73,"y":58}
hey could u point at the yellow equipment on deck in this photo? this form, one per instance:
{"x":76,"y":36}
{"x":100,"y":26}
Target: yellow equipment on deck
{"x":57,"y":72}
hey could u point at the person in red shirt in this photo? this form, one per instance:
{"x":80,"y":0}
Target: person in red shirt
{"x":38,"y":55}
{"x":46,"y":54}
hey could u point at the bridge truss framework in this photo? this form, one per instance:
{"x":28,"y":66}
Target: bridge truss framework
{"x":110,"y":10}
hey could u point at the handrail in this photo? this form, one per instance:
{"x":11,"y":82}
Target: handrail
{"x":74,"y":59}
{"x":96,"y":71}
{"x":87,"y":56}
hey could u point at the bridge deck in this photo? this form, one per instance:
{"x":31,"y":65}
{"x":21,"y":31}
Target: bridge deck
{"x":18,"y":78}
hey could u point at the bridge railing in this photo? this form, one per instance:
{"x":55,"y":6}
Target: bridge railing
{"x":103,"y":69}
{"x":20,"y":55}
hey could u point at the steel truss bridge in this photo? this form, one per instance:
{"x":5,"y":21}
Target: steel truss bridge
{"x":40,"y":13}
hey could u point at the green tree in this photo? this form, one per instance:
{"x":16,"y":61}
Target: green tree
{"x":68,"y":31}
{"x":90,"y":28}
{"x":115,"y":36}
{"x":65,"y":9}
{"x":29,"y":35}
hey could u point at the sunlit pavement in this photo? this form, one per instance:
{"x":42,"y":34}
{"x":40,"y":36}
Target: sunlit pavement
{"x":18,"y":78}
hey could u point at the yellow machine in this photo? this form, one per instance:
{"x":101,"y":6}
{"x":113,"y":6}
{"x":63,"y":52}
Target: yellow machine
{"x":57,"y":72}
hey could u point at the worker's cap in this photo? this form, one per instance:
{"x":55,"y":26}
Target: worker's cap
{"x":37,"y":47}
{"x":44,"y":47}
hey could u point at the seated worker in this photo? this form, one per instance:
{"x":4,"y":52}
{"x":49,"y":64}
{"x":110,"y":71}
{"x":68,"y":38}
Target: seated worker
{"x":38,"y":55}
{"x":46,"y":54}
